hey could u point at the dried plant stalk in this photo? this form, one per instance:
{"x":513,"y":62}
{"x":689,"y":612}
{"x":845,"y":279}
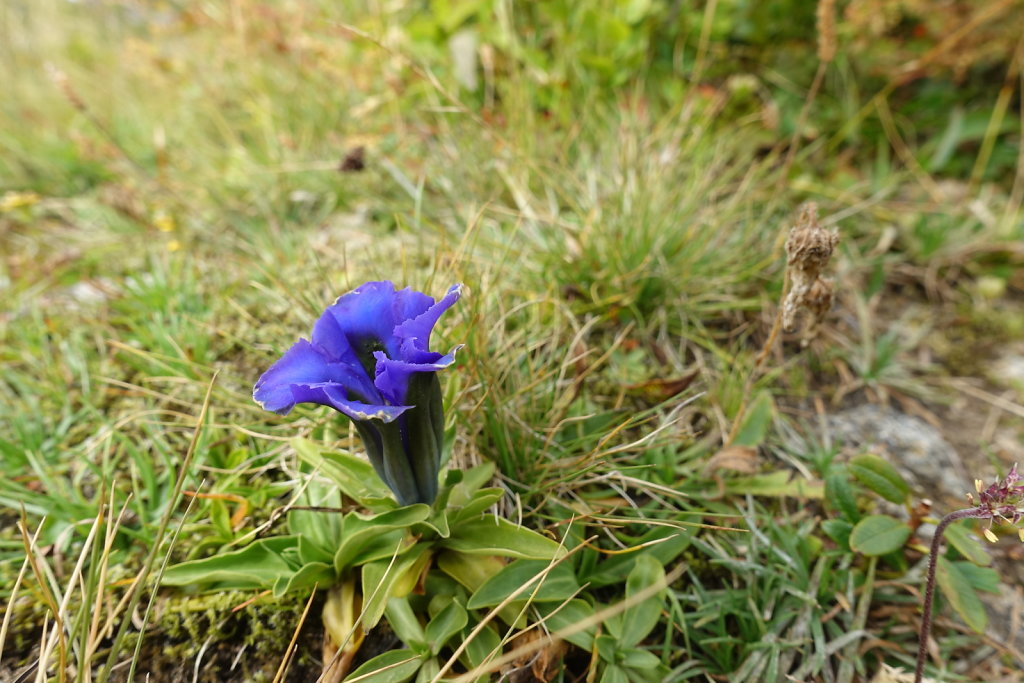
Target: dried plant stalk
{"x":808,"y":249}
{"x":826,"y":19}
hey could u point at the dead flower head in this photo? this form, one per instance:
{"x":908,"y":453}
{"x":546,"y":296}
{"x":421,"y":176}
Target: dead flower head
{"x":808,"y":250}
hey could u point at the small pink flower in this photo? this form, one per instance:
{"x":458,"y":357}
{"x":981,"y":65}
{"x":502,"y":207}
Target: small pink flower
{"x":1001,"y":503}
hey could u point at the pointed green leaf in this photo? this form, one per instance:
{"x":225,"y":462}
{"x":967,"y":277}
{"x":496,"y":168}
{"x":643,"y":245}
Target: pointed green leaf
{"x":366,"y":536}
{"x":472,"y":480}
{"x":470,"y":571}
{"x":607,"y":647}
{"x":615,"y":674}
{"x":444,"y":625}
{"x":354,"y":476}
{"x":957,"y":588}
{"x":880,"y":476}
{"x":486,"y":644}
{"x":559,"y":584}
{"x":480,"y":503}
{"x":379,"y":580}
{"x":878,"y":535}
{"x":490,"y":535}
{"x":309,"y":575}
{"x":309,"y":551}
{"x":405,"y":624}
{"x":321,"y":527}
{"x":615,"y":569}
{"x":395,"y":666}
{"x":429,"y":671}
{"x":638,"y":620}
{"x":561,"y":616}
{"x":756,"y":421}
{"x":634,"y":658}
{"x":437,"y":523}
{"x":380,"y":547}
{"x":780,"y":484}
{"x":838,"y":530}
{"x":258,"y":565}
{"x":840,"y":494}
{"x":473,"y":571}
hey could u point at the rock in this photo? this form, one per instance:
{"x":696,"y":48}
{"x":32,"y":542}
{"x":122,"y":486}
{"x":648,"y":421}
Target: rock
{"x":1009,"y":369}
{"x":918,"y":450}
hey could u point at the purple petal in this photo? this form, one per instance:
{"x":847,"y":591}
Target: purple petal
{"x":329,"y":335}
{"x":334,"y":396}
{"x":417,"y":329}
{"x":393,"y":375}
{"x":301,"y":363}
{"x":306,"y":363}
{"x":371,"y":312}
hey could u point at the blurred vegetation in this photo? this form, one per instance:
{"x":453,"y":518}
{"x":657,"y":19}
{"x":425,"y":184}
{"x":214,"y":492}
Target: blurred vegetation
{"x":184,"y":186}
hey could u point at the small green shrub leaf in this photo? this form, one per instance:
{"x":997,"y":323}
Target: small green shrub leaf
{"x":982,"y":578}
{"x":674,"y":541}
{"x":309,"y":575}
{"x":472,"y":480}
{"x":881,"y":477}
{"x":614,"y":674}
{"x":957,"y":588}
{"x":775,"y":485}
{"x":436,"y":523}
{"x":959,"y":535}
{"x":310,"y":551}
{"x":838,"y":530}
{"x":879,"y":535}
{"x":366,"y":538}
{"x":406,"y":625}
{"x":607,"y":647}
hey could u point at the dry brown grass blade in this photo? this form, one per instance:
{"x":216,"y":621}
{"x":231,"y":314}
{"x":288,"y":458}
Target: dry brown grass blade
{"x":36,"y":561}
{"x":93,"y":640}
{"x":9,"y":612}
{"x":76,"y":574}
{"x":290,"y":651}
{"x":134,"y":593}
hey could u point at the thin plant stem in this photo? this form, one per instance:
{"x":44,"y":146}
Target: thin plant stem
{"x":929,"y":588}
{"x":762,"y":356}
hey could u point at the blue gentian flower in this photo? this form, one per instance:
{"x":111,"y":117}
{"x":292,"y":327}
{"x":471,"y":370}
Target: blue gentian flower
{"x":370,"y":359}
